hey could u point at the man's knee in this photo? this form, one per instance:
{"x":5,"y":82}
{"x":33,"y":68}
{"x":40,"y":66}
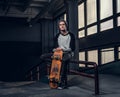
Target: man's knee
{"x":48,"y":55}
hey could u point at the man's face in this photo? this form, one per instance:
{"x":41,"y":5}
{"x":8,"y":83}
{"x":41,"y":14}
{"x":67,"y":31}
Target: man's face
{"x":62,"y":26}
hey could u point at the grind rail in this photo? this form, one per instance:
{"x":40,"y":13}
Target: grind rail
{"x":35,"y":73}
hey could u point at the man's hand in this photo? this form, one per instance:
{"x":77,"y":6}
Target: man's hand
{"x":58,"y":49}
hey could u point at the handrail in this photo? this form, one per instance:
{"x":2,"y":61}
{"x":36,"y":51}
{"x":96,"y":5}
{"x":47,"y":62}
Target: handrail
{"x":32,"y":72}
{"x":95,"y":77}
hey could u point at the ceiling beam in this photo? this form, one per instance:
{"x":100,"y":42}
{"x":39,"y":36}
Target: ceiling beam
{"x":45,"y":9}
{"x":57,"y":7}
{"x":36,"y":5}
{"x":6,"y":6}
{"x":13,"y":4}
{"x":26,"y":4}
{"x":41,"y":0}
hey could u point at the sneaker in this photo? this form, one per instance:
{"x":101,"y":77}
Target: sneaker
{"x":65,"y":87}
{"x":59,"y":88}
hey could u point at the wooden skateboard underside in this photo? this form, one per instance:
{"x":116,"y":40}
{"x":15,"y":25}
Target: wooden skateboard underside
{"x":55,"y":69}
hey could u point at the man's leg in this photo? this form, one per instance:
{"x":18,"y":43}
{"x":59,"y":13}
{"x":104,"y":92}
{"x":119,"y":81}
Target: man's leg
{"x":63,"y":76}
{"x":47,"y":55}
{"x":66,"y":59}
{"x":64,"y":70}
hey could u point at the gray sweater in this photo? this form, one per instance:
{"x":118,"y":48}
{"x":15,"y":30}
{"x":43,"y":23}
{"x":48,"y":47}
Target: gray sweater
{"x":64,"y":42}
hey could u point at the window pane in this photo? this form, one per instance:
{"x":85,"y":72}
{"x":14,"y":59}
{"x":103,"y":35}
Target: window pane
{"x":93,"y":56}
{"x":65,"y":17}
{"x":118,"y":52}
{"x":82,"y":58}
{"x":91,"y":11}
{"x":106,"y":25}
{"x":118,"y":21}
{"x":105,"y":8}
{"x":107,"y":55}
{"x":81,"y":15}
{"x":92,"y":30}
{"x":118,"y":5}
{"x":81,"y":34}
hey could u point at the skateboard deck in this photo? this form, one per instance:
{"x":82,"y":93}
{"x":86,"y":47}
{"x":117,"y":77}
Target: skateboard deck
{"x":54,"y":77}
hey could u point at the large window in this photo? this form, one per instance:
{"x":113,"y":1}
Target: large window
{"x":118,"y":52}
{"x":106,"y":8}
{"x":89,"y":25}
{"x":82,"y":58}
{"x":106,"y":25}
{"x":81,"y":34}
{"x":118,"y":21}
{"x":107,"y":55}
{"x":93,"y":56}
{"x":118,"y":10}
{"x":81,"y":15}
{"x":65,"y":17}
{"x":92,"y":30}
{"x":91,"y":11}
{"x":118,"y":5}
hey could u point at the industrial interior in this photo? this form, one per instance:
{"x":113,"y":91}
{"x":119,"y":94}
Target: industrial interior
{"x":27,"y":30}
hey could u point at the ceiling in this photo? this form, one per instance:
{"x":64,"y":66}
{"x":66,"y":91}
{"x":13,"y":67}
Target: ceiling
{"x":30,"y":9}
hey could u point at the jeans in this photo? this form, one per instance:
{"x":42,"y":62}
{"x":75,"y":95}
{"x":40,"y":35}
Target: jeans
{"x":65,"y":67}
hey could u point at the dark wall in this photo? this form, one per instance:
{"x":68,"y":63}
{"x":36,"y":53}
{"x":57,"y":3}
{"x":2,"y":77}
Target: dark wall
{"x":47,"y":36}
{"x":19,"y":30}
{"x":20,"y":48}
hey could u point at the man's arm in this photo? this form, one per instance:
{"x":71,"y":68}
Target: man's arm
{"x":72,"y":44}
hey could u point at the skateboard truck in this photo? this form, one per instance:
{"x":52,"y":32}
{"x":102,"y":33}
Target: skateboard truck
{"x":56,"y":57}
{"x":54,"y":80}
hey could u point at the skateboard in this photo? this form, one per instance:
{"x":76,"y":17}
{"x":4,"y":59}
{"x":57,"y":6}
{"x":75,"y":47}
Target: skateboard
{"x":54,"y":77}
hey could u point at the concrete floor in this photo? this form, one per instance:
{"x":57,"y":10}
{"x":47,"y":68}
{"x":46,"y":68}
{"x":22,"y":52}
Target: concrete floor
{"x":78,"y":87}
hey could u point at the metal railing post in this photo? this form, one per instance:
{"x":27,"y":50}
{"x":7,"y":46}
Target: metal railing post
{"x":31,"y":78}
{"x":96,"y":80}
{"x":38,"y":73}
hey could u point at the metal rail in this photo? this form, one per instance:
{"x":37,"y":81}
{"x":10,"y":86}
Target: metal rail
{"x":36,"y":71}
{"x":95,"y":76}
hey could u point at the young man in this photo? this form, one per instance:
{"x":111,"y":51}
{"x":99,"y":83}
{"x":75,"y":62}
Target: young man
{"x":65,"y":41}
